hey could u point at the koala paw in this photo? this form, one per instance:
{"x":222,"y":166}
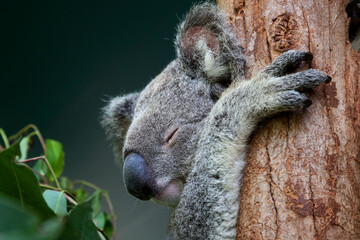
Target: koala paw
{"x":283,"y":91}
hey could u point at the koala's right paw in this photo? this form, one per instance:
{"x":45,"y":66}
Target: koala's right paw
{"x":287,"y":62}
{"x":283,"y":90}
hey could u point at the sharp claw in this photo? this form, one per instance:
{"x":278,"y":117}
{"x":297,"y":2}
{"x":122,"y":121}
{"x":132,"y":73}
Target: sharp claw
{"x":308,"y":57}
{"x":307,"y":103}
{"x":328,"y":79}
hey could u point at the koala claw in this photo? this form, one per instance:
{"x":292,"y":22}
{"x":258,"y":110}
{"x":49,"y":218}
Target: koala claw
{"x":300,"y":81}
{"x":307,"y":103}
{"x":328,"y":79}
{"x":288,"y":62}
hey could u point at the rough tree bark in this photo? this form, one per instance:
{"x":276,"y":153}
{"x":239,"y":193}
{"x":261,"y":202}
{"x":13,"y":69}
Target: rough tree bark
{"x":302,"y":180}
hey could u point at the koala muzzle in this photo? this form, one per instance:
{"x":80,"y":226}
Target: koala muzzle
{"x":137,"y":178}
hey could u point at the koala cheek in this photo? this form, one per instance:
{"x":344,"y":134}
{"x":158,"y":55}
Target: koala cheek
{"x":170,"y":194}
{"x":137,"y":178}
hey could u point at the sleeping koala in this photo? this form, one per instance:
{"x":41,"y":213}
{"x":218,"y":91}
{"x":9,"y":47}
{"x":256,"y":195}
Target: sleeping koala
{"x":184,"y":137}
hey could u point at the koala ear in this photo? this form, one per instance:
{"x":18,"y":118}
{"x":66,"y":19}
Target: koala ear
{"x":116,"y":118}
{"x":207,"y":47}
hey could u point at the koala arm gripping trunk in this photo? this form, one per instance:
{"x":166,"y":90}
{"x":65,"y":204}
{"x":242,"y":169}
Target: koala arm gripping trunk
{"x":209,"y":204}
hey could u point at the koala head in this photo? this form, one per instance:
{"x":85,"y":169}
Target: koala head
{"x":156,"y":131}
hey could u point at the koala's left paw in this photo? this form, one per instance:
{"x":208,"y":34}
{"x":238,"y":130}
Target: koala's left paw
{"x":283,"y":90}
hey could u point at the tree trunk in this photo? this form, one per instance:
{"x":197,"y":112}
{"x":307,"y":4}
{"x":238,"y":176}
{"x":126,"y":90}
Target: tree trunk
{"x":302,"y":180}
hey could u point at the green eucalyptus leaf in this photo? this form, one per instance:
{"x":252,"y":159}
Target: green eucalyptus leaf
{"x":79,"y":224}
{"x":55,"y":155}
{"x":103,"y":220}
{"x":96,"y":203}
{"x":40,"y":166}
{"x":18,"y":182}
{"x":65,"y":183}
{"x":108,"y":227}
{"x":100,"y":220}
{"x":102,"y":236}
{"x":56,"y":201}
{"x":17,"y":223}
{"x":14,"y":217}
{"x":24,"y":147}
{"x":50,"y":229}
{"x":80,"y":195}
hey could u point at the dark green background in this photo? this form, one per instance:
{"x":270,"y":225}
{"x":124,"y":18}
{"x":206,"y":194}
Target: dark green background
{"x":60,"y":59}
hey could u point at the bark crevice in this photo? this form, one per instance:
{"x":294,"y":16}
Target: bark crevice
{"x":271,"y":192}
{"x":312,"y":199}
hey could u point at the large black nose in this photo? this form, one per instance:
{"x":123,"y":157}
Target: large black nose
{"x":137,"y":178}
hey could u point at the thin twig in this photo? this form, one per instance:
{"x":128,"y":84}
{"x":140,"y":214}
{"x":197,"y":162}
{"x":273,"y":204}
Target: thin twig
{"x":41,"y":139}
{"x":25,"y":129}
{"x":50,"y":187}
{"x":70,"y":199}
{"x":32,"y":159}
{"x":85,"y":183}
{"x":52,"y":172}
{"x":101,"y":231}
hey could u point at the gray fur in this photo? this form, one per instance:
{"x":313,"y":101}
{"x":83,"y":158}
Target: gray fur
{"x":207,"y":155}
{"x":116,"y":118}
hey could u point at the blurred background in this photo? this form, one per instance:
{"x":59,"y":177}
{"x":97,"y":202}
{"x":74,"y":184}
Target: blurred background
{"x":60,"y":59}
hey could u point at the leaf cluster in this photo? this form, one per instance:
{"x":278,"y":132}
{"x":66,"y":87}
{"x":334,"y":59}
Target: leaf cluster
{"x":37,"y":203}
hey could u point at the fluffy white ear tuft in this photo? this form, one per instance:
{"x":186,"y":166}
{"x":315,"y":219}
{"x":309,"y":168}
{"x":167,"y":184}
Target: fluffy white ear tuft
{"x":207,"y":47}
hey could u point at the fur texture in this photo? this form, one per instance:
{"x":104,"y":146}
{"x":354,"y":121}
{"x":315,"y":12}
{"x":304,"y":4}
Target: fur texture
{"x":192,"y":134}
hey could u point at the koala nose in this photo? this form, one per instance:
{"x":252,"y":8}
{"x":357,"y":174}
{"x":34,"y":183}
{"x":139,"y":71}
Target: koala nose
{"x":137,"y":178}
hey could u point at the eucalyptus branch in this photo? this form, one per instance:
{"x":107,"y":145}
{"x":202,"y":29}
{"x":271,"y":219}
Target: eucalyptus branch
{"x":50,"y":187}
{"x":70,"y":199}
{"x":32,"y":159}
{"x":31,"y":134}
{"x":45,"y":178}
{"x":25,"y":129}
{"x":52,"y":171}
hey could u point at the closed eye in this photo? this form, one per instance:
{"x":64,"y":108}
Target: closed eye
{"x":169,"y":139}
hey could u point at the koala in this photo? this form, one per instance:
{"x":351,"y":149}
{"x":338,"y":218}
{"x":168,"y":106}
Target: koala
{"x":184,"y":137}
